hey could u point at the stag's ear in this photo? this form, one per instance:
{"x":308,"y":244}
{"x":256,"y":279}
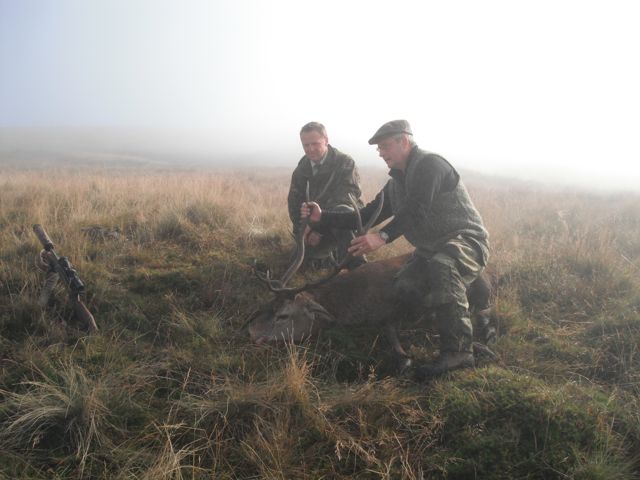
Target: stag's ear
{"x":318,"y":312}
{"x":321,"y":315}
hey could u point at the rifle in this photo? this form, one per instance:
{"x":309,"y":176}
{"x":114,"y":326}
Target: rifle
{"x":59,"y":268}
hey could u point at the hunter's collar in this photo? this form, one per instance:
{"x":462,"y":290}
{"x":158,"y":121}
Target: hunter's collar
{"x":327,"y":161}
{"x":398,"y":174}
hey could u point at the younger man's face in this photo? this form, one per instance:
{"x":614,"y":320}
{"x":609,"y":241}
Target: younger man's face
{"x":315,"y":145}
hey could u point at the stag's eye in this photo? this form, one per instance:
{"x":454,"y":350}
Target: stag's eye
{"x":281,"y":317}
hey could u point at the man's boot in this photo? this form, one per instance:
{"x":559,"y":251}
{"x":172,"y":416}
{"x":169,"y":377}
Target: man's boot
{"x":456,"y":342}
{"x":445,"y":362}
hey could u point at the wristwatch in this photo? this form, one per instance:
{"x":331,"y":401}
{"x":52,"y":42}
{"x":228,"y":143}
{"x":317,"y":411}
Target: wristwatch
{"x":384,"y":236}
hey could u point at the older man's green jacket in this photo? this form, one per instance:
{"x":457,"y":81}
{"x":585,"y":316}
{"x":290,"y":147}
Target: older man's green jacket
{"x":345,"y":181}
{"x":429,"y":204}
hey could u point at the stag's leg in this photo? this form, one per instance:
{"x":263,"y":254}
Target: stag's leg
{"x":479,"y":295}
{"x":407,"y":293}
{"x":485,"y":332}
{"x":402,"y":358}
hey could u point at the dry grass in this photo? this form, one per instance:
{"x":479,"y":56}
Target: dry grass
{"x":170,"y":388}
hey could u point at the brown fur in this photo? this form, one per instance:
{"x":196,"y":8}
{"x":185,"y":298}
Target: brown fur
{"x":355,"y":297}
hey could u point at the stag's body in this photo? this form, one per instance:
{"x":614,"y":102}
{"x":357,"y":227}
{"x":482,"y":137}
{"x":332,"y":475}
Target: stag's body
{"x":361,"y":296}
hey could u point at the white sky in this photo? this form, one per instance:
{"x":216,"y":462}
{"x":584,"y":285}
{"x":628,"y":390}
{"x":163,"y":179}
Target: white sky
{"x":544,"y":88}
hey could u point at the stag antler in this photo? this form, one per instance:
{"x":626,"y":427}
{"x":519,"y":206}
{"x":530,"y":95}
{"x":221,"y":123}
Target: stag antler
{"x":278,"y":286}
{"x":300,"y":248}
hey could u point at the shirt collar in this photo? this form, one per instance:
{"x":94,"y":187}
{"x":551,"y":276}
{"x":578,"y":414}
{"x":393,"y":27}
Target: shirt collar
{"x":312,"y":165}
{"x":321,"y":162}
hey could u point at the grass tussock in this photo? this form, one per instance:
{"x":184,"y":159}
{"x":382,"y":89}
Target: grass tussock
{"x":171,"y":388}
{"x":63,"y":413}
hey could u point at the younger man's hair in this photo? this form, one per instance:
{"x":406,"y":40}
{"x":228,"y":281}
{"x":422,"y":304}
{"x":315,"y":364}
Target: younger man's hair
{"x":314,"y":127}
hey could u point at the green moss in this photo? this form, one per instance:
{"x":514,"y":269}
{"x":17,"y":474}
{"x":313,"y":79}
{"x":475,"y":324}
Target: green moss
{"x":502,"y":425}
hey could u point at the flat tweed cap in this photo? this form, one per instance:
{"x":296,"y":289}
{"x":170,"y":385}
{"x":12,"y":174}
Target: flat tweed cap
{"x":391,"y":128}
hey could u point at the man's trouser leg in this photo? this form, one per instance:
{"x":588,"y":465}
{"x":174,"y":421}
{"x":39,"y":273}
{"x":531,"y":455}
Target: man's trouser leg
{"x":448,"y":296}
{"x":442,"y":281}
{"x":451,"y":271}
{"x":436,"y":284}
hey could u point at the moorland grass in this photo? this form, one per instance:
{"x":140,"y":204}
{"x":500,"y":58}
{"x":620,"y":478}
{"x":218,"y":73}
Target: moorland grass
{"x":170,"y":386}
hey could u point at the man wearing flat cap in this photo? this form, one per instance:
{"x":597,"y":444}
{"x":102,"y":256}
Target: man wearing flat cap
{"x":430,"y":206}
{"x":332,"y":176}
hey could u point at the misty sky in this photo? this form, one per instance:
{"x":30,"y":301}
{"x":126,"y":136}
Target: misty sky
{"x":496,"y":86}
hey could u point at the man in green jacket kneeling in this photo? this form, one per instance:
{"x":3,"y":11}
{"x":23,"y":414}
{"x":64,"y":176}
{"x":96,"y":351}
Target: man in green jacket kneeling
{"x":332,"y":176}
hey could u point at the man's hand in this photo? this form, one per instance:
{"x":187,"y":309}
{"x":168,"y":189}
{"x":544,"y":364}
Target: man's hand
{"x":311,"y":210}
{"x":312,"y":237}
{"x":365,"y":244}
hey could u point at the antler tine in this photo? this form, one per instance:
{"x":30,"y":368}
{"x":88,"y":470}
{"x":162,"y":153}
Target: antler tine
{"x":356,"y":209}
{"x":293,"y":268}
{"x":361,"y":231}
{"x":278,"y":286}
{"x":271,"y":283}
{"x":275,"y":285}
{"x":300,"y":248}
{"x":376,"y":213}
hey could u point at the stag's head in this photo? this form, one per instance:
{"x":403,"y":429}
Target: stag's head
{"x":288,"y":319}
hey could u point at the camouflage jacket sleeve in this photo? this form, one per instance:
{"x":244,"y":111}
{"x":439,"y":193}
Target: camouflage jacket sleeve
{"x":347,"y":220}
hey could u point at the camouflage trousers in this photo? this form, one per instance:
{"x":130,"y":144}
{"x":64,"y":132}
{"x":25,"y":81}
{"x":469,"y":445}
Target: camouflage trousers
{"x":439,"y":283}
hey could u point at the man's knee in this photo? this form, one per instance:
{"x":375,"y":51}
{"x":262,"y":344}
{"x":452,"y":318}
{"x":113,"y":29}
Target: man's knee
{"x":446,"y":285}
